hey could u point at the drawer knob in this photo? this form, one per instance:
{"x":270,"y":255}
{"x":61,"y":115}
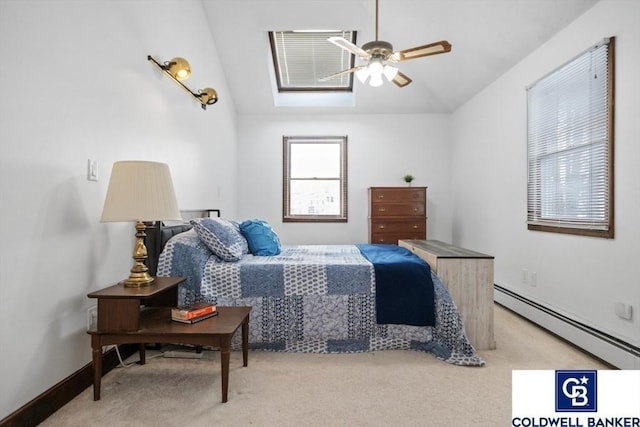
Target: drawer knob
{"x":415,"y":227}
{"x":415,"y":209}
{"x":381,"y":209}
{"x":380,"y":196}
{"x":381,"y":227}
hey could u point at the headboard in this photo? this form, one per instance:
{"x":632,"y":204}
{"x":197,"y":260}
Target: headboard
{"x":159,"y":233}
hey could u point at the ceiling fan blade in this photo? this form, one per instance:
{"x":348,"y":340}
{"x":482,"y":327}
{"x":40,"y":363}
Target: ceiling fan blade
{"x":347,"y":45}
{"x":436,"y":48}
{"x":339,"y":73}
{"x":401,"y":80}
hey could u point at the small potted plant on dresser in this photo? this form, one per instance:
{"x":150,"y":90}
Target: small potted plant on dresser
{"x":408,"y":178}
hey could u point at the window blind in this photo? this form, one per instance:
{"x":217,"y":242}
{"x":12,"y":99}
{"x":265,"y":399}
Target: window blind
{"x":302,"y":58}
{"x":570,"y":144}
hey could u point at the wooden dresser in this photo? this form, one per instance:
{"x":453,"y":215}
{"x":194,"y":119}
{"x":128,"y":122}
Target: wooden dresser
{"x":468,"y":275}
{"x":397,"y":213}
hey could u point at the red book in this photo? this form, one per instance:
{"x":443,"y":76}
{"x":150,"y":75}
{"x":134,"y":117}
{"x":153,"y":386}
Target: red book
{"x":192,"y":311}
{"x":196,"y":319}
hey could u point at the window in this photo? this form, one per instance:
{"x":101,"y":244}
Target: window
{"x":570,"y":146}
{"x":302,"y":58}
{"x":315,"y":179}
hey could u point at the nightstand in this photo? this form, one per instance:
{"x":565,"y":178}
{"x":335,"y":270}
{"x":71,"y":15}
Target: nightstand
{"x":119,"y":307}
{"x":143,"y":315}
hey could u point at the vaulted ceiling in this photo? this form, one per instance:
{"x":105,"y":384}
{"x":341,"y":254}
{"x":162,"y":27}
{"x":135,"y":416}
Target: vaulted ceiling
{"x":488,"y":38}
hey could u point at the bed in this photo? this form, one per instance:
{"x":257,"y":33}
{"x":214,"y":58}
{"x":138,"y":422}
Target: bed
{"x":317,"y":298}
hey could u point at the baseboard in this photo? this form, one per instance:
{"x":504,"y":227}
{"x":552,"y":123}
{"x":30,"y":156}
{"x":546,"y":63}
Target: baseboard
{"x":41,"y":407}
{"x":609,"y":349}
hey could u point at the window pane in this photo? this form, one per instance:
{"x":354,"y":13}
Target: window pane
{"x":315,"y":197}
{"x":316,"y":160}
{"x":569,"y":185}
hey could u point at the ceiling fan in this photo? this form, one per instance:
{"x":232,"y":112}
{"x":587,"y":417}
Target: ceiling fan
{"x":379,"y":54}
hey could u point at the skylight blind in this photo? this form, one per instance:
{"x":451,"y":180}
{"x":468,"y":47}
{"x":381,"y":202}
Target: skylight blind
{"x":570,"y":143}
{"x":302,"y":58}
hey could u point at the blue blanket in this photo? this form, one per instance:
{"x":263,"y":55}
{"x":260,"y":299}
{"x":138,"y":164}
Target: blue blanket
{"x":404,"y":289}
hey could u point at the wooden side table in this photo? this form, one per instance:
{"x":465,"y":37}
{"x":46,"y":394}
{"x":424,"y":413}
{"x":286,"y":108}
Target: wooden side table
{"x":143,"y":315}
{"x":468,"y":275}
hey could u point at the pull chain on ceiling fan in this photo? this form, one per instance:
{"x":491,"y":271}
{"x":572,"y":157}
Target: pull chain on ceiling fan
{"x":379,"y":54}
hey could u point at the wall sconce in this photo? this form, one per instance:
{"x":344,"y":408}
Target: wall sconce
{"x":178,"y":69}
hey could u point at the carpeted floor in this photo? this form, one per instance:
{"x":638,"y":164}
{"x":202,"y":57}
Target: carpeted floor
{"x":387,"y":388}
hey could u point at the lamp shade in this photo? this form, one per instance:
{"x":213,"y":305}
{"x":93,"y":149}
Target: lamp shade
{"x":140,"y":191}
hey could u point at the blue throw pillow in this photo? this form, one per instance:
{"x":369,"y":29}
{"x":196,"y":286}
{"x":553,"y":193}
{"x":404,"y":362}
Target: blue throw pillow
{"x":262,"y":240}
{"x":222,"y":237}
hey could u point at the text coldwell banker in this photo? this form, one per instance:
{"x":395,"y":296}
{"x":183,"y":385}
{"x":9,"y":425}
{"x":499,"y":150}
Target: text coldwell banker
{"x":575,"y":422}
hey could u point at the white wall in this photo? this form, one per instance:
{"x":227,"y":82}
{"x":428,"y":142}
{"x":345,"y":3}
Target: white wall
{"x":581,"y":277}
{"x":381,"y":150}
{"x":75,"y":84}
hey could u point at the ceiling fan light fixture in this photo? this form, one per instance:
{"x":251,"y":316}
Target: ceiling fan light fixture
{"x":375,"y":68}
{"x":376,"y":81}
{"x":362,"y":74}
{"x":379,"y":52}
{"x":390,"y":72}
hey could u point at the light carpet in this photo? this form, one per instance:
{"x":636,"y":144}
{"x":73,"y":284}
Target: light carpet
{"x":386,"y":388}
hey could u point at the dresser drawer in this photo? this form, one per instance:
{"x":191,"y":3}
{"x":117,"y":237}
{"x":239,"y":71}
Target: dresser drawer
{"x":395,"y":195}
{"x":403,"y":226}
{"x":397,"y":209}
{"x":392,"y":238}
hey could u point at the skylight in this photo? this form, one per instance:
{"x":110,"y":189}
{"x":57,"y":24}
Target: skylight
{"x":302,"y":58}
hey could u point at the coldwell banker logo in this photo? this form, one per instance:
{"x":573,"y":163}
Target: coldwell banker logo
{"x":576,"y":391}
{"x":580,"y":398}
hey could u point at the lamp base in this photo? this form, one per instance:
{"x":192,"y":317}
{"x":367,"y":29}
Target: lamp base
{"x":138,"y":280}
{"x":139,"y":276}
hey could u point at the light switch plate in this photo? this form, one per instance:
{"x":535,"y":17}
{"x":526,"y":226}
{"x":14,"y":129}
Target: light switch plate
{"x":92,"y":170}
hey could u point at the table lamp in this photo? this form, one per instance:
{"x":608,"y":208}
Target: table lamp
{"x":140,"y":191}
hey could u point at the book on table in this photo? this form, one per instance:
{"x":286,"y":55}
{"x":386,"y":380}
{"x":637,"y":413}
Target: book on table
{"x":196,"y":319}
{"x":192,"y":311}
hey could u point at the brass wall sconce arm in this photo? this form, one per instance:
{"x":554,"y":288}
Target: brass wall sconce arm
{"x":178,"y":69}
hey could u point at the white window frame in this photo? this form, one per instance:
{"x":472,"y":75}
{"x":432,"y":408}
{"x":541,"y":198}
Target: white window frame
{"x":288,"y":142}
{"x":570,"y":114}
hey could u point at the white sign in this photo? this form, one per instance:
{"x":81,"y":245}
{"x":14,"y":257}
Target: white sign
{"x":575,"y":398}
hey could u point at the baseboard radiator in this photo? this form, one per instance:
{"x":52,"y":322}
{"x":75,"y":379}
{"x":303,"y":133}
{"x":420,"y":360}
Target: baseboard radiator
{"x":611,"y":350}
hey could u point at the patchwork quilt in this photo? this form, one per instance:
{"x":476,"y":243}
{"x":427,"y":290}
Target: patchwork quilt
{"x":314,"y":298}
